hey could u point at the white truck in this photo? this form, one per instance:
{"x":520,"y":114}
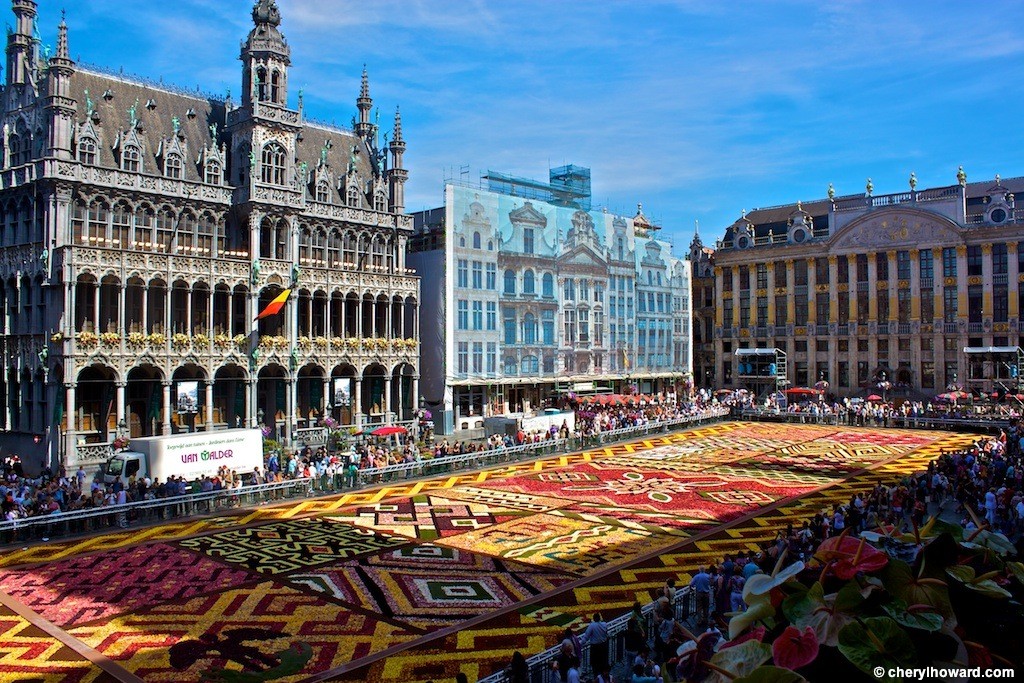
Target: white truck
{"x":190,"y":456}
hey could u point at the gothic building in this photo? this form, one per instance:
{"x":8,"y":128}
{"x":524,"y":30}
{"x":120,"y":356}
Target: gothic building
{"x":143,"y":227}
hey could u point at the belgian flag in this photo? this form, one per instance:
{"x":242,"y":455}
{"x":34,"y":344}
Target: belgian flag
{"x":275,"y":306}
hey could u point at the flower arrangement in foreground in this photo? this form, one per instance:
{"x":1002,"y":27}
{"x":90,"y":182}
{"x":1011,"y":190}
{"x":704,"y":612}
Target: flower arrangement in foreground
{"x":120,"y":443}
{"x":939,"y":596}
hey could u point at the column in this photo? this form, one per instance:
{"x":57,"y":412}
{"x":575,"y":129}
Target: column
{"x":188,"y":311}
{"x":790,"y":287}
{"x":961,"y":286}
{"x":209,"y":406}
{"x":119,"y":402}
{"x":872,"y":289}
{"x":416,"y":393}
{"x":250,"y":402}
{"x":95,"y":304}
{"x":1012,"y":276}
{"x":71,"y":424}
{"x":852,"y":288}
{"x":388,"y":382}
{"x":289,"y":409}
{"x":121,"y":323}
{"x":752,"y":284}
{"x":833,"y":302}
{"x":357,"y":401}
{"x":812,"y":293}
{"x":327,"y":398}
{"x":986,"y":280}
{"x":145,"y":308}
{"x":166,"y":427}
{"x":894,"y":283}
{"x":735,"y":296}
{"x":915,"y":285}
{"x":719,"y":290}
{"x":771,"y":294}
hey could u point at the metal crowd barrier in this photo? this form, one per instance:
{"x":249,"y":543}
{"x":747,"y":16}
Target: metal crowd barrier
{"x":541,"y":670}
{"x":112,"y":517}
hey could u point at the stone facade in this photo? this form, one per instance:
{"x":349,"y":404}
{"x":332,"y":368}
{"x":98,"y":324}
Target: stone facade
{"x":866,"y":290}
{"x":144,"y":227}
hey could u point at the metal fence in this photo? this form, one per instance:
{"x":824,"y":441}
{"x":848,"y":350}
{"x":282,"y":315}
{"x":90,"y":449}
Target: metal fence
{"x":541,"y":664}
{"x":112,"y":517}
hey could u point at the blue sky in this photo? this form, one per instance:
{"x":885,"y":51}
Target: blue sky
{"x":698,"y":109}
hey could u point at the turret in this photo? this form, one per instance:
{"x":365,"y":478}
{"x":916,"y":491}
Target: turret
{"x":364,"y":128}
{"x":60,"y":106}
{"x":397,"y":175}
{"x":266,"y":57}
{"x":21,"y":46}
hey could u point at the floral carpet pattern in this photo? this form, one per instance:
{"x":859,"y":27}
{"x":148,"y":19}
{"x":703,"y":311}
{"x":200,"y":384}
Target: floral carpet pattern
{"x":421,"y":579}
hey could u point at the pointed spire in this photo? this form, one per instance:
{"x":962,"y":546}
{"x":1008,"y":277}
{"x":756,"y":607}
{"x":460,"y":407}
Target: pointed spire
{"x":62,"y":38}
{"x":696,"y":229}
{"x":396,"y":136}
{"x":364,"y":89}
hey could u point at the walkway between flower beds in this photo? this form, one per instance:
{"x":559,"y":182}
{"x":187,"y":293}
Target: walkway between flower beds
{"x":424,"y":579}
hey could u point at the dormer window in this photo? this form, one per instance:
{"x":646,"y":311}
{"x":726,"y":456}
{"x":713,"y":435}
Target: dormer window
{"x":352,"y":198}
{"x":87,"y":151}
{"x":323,"y":192}
{"x":273,"y":167}
{"x":131,"y":159}
{"x":172,"y":166}
{"x":379,"y":202}
{"x":213,"y":173}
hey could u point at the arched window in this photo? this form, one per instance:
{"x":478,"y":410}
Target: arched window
{"x":528,"y":283}
{"x":97,"y":229}
{"x":87,"y":150}
{"x":490,"y":245}
{"x":261,"y":84}
{"x":352,"y":197}
{"x":131,"y":158}
{"x":349,"y":250}
{"x":318,"y":247}
{"x":323,"y":192}
{"x":529,"y":329}
{"x":380,"y":202}
{"x":165,"y":222}
{"x":511,"y":366}
{"x":476,"y":240}
{"x":172,"y":166}
{"x":547,"y":284}
{"x":275,"y":86}
{"x":214,"y":173}
{"x":272,"y":170}
{"x":334,"y":243}
{"x":186,"y":230}
{"x":510,"y":282}
{"x":378,"y":253}
{"x":305,"y":246}
{"x":78,"y":211}
{"x":530,"y":365}
{"x":122,"y":223}
{"x":205,"y":231}
{"x":144,"y":221}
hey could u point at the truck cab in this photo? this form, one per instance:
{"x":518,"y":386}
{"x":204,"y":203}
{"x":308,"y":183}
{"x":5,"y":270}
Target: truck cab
{"x":124,"y":464}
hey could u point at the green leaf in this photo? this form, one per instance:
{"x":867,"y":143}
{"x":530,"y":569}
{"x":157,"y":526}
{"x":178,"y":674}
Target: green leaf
{"x":925,"y":620}
{"x":817,"y":611}
{"x":771,"y":674}
{"x":877,"y":642}
{"x":900,"y":581}
{"x":979,"y":584}
{"x":1017,"y":569}
{"x":741,"y":660}
{"x":991,"y":540}
{"x":759,"y":611}
{"x":849,"y":597}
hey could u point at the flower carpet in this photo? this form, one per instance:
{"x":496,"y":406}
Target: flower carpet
{"x":419,"y":580}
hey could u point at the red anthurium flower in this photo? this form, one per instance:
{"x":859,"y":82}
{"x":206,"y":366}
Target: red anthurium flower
{"x":794,"y":649}
{"x":753,"y":634}
{"x":851,"y":556}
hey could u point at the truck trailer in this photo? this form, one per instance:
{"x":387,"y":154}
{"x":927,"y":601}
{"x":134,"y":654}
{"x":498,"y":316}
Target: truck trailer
{"x":192,"y":456}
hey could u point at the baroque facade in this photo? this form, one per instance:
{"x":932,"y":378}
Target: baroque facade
{"x":919,"y":291}
{"x":529,"y":294}
{"x":144,"y":227}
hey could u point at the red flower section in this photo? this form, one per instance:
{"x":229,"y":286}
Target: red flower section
{"x":794,"y":649}
{"x":850,"y":556}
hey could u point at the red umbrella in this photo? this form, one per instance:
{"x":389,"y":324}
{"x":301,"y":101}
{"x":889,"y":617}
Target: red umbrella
{"x":802,"y":391}
{"x":874,"y":397}
{"x":388,"y":431}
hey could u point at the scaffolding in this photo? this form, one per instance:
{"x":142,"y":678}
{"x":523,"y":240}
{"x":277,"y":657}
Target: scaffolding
{"x":762,"y":369}
{"x":995,"y":368}
{"x":567,"y":186}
